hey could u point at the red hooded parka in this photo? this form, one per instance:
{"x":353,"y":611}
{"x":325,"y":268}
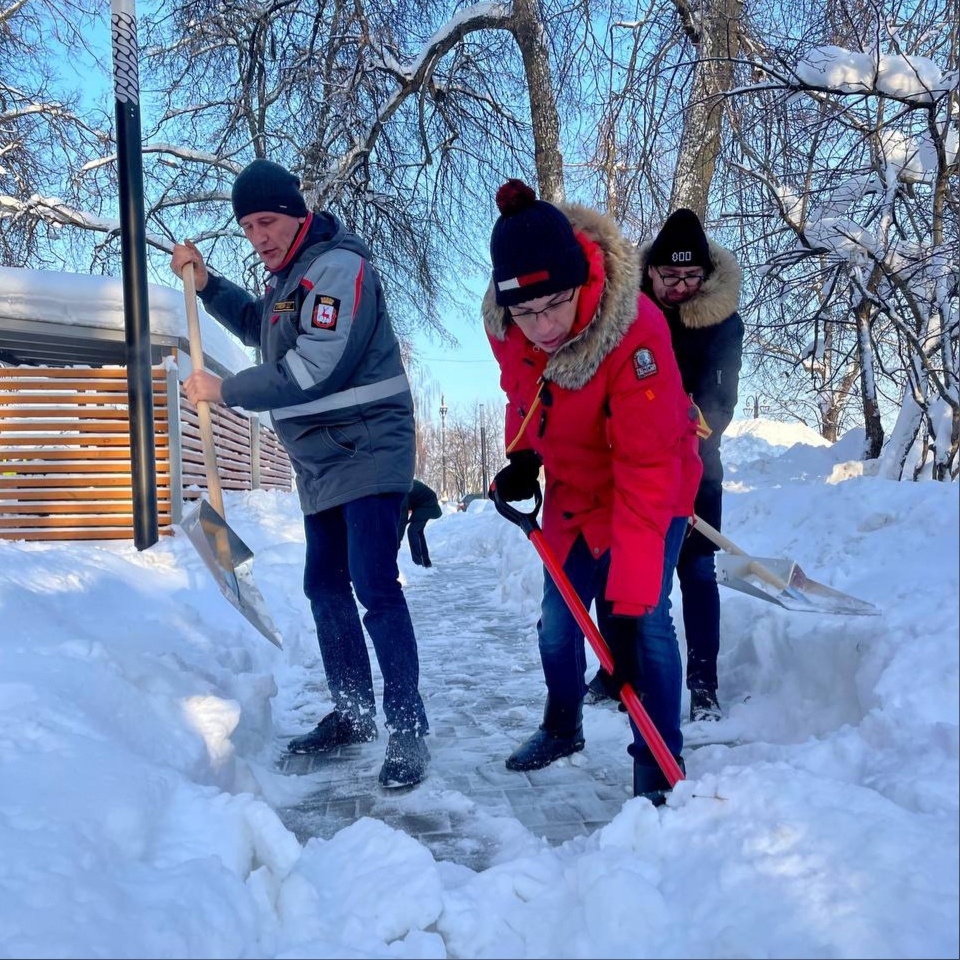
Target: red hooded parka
{"x":616,"y":432}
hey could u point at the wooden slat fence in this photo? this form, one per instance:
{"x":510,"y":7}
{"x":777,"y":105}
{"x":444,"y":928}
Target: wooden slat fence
{"x":65,"y":471}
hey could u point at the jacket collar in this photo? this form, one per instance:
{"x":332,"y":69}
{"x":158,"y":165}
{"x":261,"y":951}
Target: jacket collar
{"x":719,"y":296}
{"x":316,"y":229}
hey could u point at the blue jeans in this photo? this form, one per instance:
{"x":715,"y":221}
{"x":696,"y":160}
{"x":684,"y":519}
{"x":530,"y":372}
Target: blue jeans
{"x":356,"y":543}
{"x":701,"y":617}
{"x":645,"y":648}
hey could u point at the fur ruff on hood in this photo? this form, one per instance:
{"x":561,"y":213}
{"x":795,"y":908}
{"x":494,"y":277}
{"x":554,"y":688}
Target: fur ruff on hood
{"x":719,"y":297}
{"x":578,"y":359}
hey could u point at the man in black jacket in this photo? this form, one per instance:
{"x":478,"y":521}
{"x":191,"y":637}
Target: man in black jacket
{"x":696,"y":283}
{"x":419,"y":506}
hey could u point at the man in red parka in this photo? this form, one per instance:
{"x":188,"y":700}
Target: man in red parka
{"x":595,"y":397}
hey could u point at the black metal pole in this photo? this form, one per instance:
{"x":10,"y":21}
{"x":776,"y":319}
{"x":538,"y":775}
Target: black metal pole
{"x":133,"y":247}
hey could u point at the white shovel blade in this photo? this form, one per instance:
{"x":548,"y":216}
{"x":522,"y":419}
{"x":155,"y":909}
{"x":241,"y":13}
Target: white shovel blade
{"x":738,"y":572}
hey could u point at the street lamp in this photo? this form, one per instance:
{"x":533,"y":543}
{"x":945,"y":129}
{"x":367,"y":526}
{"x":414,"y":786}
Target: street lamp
{"x":443,"y":448}
{"x":753,"y":404}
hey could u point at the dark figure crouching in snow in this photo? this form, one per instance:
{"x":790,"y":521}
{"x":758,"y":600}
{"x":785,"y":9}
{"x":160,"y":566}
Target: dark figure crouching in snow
{"x":419,"y":506}
{"x":333,"y":381}
{"x":595,"y":398}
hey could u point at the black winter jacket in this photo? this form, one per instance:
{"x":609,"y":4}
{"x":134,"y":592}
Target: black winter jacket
{"x":707,"y":337}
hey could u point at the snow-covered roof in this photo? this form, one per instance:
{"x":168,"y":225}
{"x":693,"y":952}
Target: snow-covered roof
{"x":33,"y":298}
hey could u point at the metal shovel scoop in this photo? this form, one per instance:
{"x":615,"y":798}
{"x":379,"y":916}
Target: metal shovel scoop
{"x":794,"y":590}
{"x":227,"y":557}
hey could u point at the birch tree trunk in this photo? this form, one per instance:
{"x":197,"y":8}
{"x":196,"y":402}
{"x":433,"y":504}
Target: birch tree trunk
{"x":905,"y":430}
{"x":544,"y":117}
{"x":716,"y":36}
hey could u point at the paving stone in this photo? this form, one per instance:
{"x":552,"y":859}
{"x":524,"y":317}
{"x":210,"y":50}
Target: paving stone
{"x":462,"y":811}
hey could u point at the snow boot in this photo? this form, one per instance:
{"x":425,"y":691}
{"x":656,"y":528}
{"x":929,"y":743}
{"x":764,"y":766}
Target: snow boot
{"x":335,"y":730}
{"x":601,"y":688}
{"x":649,"y":781}
{"x":560,"y":735}
{"x":405,"y":763}
{"x":704,"y":705}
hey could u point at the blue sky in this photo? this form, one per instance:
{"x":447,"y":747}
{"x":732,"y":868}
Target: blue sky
{"x":467,"y":373}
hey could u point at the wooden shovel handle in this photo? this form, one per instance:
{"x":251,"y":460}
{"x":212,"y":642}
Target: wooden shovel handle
{"x":203,"y":406}
{"x":715,"y":536}
{"x":728,"y":546}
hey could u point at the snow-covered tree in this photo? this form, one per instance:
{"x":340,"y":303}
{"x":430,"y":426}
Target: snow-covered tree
{"x":853,"y":153}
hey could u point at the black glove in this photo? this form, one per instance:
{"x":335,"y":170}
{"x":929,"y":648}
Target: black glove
{"x":519,"y":479}
{"x":622,"y":636}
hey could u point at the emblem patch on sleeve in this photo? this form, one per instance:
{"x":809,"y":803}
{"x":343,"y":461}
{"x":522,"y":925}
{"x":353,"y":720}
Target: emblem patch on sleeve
{"x":644,"y":363}
{"x":325,"y":312}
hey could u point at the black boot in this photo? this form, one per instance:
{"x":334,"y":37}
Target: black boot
{"x":406,"y":761}
{"x":335,"y":730}
{"x":704,"y":705}
{"x":649,"y":780}
{"x":601,"y":688}
{"x":560,"y":735}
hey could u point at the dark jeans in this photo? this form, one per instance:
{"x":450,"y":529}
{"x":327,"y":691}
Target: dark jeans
{"x":701,"y":617}
{"x":356,"y":543}
{"x":644,"y":648}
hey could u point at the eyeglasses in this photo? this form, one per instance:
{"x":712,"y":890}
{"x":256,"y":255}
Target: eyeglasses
{"x":525,"y":315}
{"x":672,"y":280}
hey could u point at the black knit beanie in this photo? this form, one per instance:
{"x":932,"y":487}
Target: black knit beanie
{"x":533,"y":248}
{"x":681,"y":242}
{"x":266,"y":187}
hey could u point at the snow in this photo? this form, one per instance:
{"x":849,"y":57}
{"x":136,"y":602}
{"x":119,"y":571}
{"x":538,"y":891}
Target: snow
{"x":849,"y":71}
{"x":75,"y":299}
{"x":142,"y":811}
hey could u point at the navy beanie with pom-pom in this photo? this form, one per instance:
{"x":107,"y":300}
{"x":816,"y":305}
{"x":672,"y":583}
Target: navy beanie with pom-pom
{"x":265,"y":187}
{"x":533,"y":248}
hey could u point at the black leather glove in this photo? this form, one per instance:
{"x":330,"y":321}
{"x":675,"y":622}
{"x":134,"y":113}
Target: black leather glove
{"x":519,"y":478}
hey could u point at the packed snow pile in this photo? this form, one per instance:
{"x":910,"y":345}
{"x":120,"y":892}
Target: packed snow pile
{"x":142,"y":719}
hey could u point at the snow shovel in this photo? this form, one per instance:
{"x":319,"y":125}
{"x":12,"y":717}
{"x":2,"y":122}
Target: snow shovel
{"x":527,"y":522}
{"x":794,"y":590}
{"x":228,"y":558}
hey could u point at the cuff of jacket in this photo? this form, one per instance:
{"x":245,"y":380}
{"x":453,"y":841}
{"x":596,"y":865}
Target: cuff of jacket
{"x":621,"y":609}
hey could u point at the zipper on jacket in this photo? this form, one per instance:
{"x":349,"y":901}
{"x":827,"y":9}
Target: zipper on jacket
{"x":526,"y":419}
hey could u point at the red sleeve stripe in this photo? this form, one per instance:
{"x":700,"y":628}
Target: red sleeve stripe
{"x":357,"y":287}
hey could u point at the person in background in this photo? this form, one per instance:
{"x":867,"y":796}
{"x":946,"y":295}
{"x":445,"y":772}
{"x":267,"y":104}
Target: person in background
{"x":696,"y":283}
{"x":333,"y":381}
{"x":419,"y":505}
{"x":594,"y":397}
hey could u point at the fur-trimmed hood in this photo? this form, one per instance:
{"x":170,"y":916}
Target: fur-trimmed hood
{"x":577,"y":360}
{"x":719,"y":297}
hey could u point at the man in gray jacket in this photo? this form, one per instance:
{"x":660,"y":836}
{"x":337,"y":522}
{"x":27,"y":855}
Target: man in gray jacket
{"x":334,"y":384}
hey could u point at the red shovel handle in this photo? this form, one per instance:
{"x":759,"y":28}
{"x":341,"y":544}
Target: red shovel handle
{"x":651,"y":735}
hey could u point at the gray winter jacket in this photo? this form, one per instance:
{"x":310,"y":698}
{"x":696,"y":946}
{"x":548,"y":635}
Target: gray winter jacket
{"x":332,"y":376}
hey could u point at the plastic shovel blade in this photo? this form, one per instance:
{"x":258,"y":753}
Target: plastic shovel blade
{"x":783,"y":582}
{"x":230,"y":561}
